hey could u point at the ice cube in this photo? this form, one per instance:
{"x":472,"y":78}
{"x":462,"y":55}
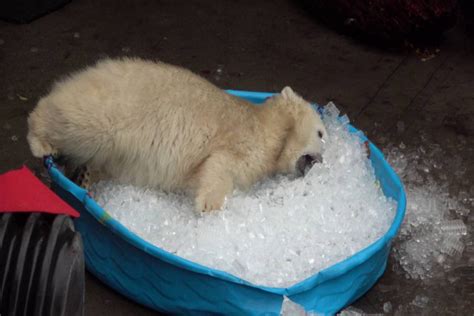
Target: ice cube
{"x":290,"y":308}
{"x":331,"y":110}
{"x":456,"y":226}
{"x":351,"y":311}
{"x":387,"y":307}
{"x":420,"y":301}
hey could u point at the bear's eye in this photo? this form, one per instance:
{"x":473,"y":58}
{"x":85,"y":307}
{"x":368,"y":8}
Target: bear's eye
{"x":320,"y":134}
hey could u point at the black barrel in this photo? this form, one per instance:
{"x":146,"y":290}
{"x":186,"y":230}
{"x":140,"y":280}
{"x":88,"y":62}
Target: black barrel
{"x":41,"y":265}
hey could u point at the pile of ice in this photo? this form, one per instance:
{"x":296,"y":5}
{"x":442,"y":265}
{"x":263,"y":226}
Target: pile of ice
{"x":431,"y":238}
{"x":290,"y":308}
{"x":282,"y":231}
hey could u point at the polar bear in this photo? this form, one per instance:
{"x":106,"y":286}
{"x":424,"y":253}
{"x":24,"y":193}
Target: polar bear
{"x":161,"y":126}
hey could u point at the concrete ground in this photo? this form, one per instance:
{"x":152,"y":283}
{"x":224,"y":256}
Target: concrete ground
{"x":259,"y":46}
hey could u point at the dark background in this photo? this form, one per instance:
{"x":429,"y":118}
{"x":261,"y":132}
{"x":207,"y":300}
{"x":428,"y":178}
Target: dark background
{"x":258,"y":46}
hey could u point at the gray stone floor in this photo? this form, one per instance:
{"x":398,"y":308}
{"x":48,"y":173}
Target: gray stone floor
{"x":260,"y":46}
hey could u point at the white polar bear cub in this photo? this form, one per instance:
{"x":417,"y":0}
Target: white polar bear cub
{"x":161,"y":126}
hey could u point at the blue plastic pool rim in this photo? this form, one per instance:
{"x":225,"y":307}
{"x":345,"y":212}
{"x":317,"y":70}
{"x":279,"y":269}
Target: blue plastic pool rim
{"x":330,"y":272}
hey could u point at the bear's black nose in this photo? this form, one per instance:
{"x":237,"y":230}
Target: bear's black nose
{"x":306,"y":162}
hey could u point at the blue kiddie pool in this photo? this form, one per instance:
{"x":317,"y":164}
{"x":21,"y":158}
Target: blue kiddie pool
{"x":165,"y":282}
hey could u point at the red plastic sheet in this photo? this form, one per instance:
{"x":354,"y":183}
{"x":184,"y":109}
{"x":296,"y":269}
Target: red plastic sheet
{"x":22,"y":191}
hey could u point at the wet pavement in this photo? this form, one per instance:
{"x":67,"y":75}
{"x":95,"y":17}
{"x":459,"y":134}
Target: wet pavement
{"x":265,"y":46}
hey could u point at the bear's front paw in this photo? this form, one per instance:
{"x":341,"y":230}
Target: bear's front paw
{"x":209,"y":201}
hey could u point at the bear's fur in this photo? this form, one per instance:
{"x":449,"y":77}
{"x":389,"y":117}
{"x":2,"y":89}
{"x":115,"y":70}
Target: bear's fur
{"x":161,"y":126}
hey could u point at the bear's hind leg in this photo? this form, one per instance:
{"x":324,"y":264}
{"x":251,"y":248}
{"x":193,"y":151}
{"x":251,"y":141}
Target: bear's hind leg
{"x":85,"y":177}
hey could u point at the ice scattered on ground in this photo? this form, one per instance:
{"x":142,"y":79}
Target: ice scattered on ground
{"x":290,"y":308}
{"x":387,"y":307}
{"x":351,"y":311}
{"x":282,"y":231}
{"x":433,"y":233}
{"x":420,"y":301}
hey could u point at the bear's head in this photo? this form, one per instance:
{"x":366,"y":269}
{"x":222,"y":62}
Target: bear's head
{"x":304,"y":133}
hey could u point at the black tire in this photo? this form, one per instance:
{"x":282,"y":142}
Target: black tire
{"x":41,"y":265}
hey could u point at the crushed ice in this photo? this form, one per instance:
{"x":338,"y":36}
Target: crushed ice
{"x":433,"y":234}
{"x":290,"y":308}
{"x":280,"y":232}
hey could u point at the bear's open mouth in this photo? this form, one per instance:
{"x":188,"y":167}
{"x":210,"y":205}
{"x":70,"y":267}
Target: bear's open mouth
{"x":306,"y":162}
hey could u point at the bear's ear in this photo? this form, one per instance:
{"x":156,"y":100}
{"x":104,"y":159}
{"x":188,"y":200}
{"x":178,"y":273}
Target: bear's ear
{"x":289,"y":94}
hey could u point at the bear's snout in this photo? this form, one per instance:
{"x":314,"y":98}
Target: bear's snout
{"x":306,"y":162}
